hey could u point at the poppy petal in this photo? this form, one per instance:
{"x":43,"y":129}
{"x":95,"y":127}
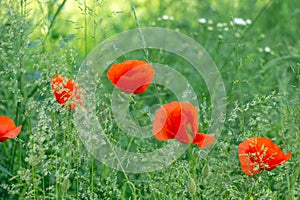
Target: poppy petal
{"x":269,"y":154}
{"x":182,"y":121}
{"x":8,"y":128}
{"x":179,"y":120}
{"x":163,"y":135}
{"x":141,"y":89}
{"x":11,"y":134}
{"x":248,"y":167}
{"x":6,"y":124}
{"x":257,"y":154}
{"x":131,"y":76}
{"x":203,"y":140}
{"x":135,"y":79}
{"x":66,"y":91}
{"x":159,"y":125}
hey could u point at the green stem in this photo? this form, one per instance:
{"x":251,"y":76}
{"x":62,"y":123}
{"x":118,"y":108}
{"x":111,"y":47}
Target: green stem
{"x":85,"y":29}
{"x":141,"y":36}
{"x":11,"y":162}
{"x":56,"y":168}
{"x":247,"y":30}
{"x":94,"y":21}
{"x":54,"y":18}
{"x":77,"y":173}
{"x":92,"y":177}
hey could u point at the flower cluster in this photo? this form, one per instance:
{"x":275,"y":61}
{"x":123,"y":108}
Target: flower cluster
{"x":175,"y":120}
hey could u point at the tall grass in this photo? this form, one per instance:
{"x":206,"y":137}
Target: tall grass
{"x":259,"y":64}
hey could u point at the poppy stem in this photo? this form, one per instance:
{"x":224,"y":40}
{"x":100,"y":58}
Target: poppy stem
{"x":85,"y":30}
{"x":254,"y":21}
{"x":11,"y":163}
{"x":92,"y":176}
{"x":54,"y":18}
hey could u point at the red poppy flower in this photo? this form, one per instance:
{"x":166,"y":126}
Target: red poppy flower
{"x":8,"y":129}
{"x":257,"y":154}
{"x":66,"y":91}
{"x":131,"y":76}
{"x":179,"y":120}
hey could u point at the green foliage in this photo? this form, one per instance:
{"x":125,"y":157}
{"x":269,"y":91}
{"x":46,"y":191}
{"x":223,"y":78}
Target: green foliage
{"x":259,"y":63}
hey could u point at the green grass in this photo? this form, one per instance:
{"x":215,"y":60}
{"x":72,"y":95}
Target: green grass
{"x":49,"y":161}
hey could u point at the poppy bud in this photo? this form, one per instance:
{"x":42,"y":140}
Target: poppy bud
{"x":191,"y":185}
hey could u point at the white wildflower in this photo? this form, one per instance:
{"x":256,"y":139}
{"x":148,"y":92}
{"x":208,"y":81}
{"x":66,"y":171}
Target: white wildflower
{"x":210,"y":28}
{"x":202,"y":20}
{"x":219,"y":25}
{"x":239,"y":21}
{"x":267,"y":49}
{"x":165,"y":17}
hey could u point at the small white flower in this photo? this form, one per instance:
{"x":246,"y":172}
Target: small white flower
{"x":237,"y":35}
{"x":219,"y":25}
{"x":165,"y":17}
{"x":202,"y":20}
{"x":210,"y":28}
{"x":171,"y":18}
{"x":210,"y":22}
{"x":267,"y":49}
{"x":239,"y":21}
{"x":248,"y":21}
{"x":226,"y":29}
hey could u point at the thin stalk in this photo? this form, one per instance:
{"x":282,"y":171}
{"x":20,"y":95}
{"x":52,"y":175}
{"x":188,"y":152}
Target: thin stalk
{"x":35,"y":190}
{"x":54,"y":18}
{"x":248,"y":29}
{"x":94,"y":22}
{"x":92,"y":177}
{"x":77,"y":171}
{"x":141,"y":36}
{"x":56,"y":168}
{"x":85,"y":54}
{"x":144,"y":45}
{"x":85,"y":29}
{"x":11,"y":162}
{"x":240,"y":92}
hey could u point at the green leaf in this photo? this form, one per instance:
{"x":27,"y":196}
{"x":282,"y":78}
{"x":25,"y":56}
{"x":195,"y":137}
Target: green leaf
{"x":4,"y":170}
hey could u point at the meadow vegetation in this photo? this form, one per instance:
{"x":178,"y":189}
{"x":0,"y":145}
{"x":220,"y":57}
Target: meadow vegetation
{"x":255,"y":45}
